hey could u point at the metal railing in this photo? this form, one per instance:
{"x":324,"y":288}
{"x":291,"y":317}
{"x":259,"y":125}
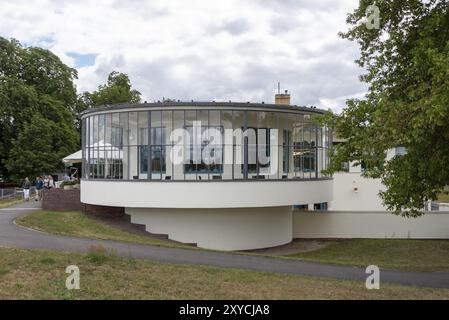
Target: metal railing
{"x":9,"y":193}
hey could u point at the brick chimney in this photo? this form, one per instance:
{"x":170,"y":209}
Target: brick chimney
{"x":282,"y":98}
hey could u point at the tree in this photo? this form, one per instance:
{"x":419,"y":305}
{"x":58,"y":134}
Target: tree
{"x":83,"y":102}
{"x":407,"y":63}
{"x":34,"y":84}
{"x":117,"y":90}
{"x":40,"y":146}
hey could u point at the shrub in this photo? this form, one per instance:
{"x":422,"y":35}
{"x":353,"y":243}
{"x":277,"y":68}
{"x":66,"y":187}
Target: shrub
{"x":98,"y":254}
{"x":69,"y":183}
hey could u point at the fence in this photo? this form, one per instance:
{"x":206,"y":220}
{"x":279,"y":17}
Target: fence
{"x":9,"y":193}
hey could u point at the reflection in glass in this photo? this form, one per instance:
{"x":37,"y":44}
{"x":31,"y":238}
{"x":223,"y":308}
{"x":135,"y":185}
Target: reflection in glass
{"x":138,"y":145}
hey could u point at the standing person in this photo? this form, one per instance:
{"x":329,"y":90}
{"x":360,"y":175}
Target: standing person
{"x":39,"y":187}
{"x":46,"y":182}
{"x":26,"y":189}
{"x":51,"y":183}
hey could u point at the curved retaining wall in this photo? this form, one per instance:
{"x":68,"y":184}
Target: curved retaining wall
{"x":220,"y":229}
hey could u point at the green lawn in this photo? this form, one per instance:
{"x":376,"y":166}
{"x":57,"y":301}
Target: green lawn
{"x":416,"y":255}
{"x":81,"y":225}
{"x":9,"y":202}
{"x":35,"y":274}
{"x":411,"y":255}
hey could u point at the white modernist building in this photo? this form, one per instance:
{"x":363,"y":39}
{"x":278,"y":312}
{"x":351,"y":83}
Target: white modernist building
{"x":228,"y":175}
{"x":220,"y":175}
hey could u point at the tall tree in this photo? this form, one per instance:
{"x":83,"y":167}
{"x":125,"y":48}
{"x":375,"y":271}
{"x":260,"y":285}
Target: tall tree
{"x":407,"y":63}
{"x":33,"y":83}
{"x":117,"y":90}
{"x":40,"y":146}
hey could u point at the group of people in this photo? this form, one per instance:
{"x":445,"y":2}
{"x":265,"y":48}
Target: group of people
{"x":42,"y":183}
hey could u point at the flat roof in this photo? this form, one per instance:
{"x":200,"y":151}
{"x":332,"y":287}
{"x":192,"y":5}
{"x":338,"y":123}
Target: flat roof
{"x":203,"y":105}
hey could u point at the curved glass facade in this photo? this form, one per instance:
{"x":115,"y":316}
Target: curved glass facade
{"x":182,"y":144}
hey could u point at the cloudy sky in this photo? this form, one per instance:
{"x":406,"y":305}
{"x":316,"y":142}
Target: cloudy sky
{"x":199,"y":49}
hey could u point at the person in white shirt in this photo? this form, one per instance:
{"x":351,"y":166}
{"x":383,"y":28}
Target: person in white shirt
{"x":51,"y":183}
{"x":46,"y":182}
{"x":26,"y":185}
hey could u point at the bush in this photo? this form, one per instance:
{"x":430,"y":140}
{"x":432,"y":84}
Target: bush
{"x":69,"y":183}
{"x":98,"y":254}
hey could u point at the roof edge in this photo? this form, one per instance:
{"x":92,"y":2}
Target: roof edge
{"x":122,"y":106}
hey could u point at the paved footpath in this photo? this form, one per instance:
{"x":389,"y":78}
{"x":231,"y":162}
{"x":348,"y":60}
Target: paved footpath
{"x":12,"y":235}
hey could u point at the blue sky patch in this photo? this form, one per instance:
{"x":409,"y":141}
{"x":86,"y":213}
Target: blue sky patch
{"x":83,"y":60}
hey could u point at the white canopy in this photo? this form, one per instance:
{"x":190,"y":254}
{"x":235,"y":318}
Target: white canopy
{"x":76,"y":157}
{"x":97,"y":150}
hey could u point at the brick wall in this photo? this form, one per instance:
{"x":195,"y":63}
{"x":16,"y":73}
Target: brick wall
{"x":103,"y":211}
{"x":69,"y":200}
{"x":62,"y":200}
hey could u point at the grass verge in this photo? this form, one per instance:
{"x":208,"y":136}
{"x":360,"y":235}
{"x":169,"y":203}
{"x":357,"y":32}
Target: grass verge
{"x":36,"y":274}
{"x":9,"y":202}
{"x":410,"y":255}
{"x":81,"y":225}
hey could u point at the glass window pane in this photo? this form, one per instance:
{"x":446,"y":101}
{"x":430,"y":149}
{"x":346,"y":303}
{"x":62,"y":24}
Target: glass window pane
{"x":133,"y":161}
{"x":101,"y":130}
{"x":133,"y":128}
{"x":156,"y":119}
{"x":168,"y":164}
{"x":124,"y":130}
{"x":203,"y":117}
{"x":228,"y":152}
{"x":178,"y":149}
{"x":167,"y":125}
{"x":108,"y":129}
{"x":190,"y":117}
{"x":95,"y":131}
{"x":90,"y":140}
{"x":124,"y":153}
{"x":143,"y":128}
{"x":143,"y":149}
{"x":238,"y":126}
{"x":214,"y":117}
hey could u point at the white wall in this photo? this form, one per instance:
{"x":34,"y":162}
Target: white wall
{"x":369,"y":225}
{"x":352,"y":192}
{"x":210,"y":194}
{"x":220,"y":229}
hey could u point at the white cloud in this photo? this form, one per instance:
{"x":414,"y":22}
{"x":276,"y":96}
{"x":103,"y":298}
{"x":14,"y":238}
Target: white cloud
{"x":201,"y":50}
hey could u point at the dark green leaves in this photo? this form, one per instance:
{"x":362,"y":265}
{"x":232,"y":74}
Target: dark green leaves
{"x":117,"y":90}
{"x":407,"y":63}
{"x":37,"y":99}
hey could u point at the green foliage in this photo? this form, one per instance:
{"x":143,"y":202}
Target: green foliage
{"x":37,"y":98}
{"x":117,"y":90}
{"x":98,"y":254}
{"x":68,"y":183}
{"x":407,"y":63}
{"x":40,"y":146}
